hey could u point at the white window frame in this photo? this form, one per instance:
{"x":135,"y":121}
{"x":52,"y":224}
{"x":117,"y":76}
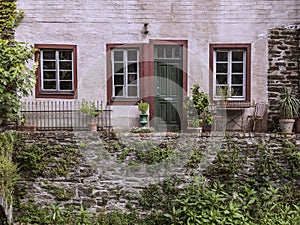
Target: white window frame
{"x":57,"y":70}
{"x":125,"y":62}
{"x":229,"y":73}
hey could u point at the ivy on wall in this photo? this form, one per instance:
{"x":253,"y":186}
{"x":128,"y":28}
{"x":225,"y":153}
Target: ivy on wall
{"x":9,"y":18}
{"x":8,"y":169}
{"x":16,"y":78}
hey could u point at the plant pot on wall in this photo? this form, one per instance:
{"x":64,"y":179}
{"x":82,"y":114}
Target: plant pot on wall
{"x":289,"y":110}
{"x":30,"y":128}
{"x":143,"y":119}
{"x":93,"y":126}
{"x":286,"y":125}
{"x":143,"y":108}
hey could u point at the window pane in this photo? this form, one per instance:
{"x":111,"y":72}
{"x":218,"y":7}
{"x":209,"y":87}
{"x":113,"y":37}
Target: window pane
{"x":49,"y":65}
{"x":132,"y":55}
{"x":50,"y":85}
{"x":237,"y":79}
{"x":119,"y":91}
{"x":132,"y":68}
{"x":237,"y":56}
{"x":169,"y":50}
{"x":119,"y":79}
{"x":222,"y":56}
{"x":160,"y":52}
{"x":65,"y":55}
{"x":132,"y":79}
{"x":48,"y":54}
{"x":118,"y":68}
{"x":132,"y":91}
{"x":65,"y":65}
{"x":237,"y":91}
{"x":221,"y":68}
{"x":221,"y":79}
{"x":118,"y":55}
{"x":49,"y":75}
{"x":65,"y":75}
{"x":66,"y":85}
{"x":237,"y":67}
{"x":178,"y":52}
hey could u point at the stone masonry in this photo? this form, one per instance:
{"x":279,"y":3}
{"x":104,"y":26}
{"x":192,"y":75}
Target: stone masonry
{"x":99,"y":181}
{"x":284,"y":64}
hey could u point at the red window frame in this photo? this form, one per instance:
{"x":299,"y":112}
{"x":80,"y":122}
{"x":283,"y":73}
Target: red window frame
{"x":39,"y":93}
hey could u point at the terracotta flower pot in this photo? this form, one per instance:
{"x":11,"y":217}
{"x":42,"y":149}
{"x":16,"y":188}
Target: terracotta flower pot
{"x":93,"y":126}
{"x":286,"y":125}
{"x":30,"y":128}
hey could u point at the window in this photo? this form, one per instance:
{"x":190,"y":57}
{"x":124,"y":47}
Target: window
{"x":124,"y":73}
{"x":125,"y":70}
{"x":230,"y":71}
{"x":56,"y":74}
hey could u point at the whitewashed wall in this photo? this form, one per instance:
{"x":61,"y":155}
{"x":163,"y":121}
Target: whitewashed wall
{"x":91,"y":24}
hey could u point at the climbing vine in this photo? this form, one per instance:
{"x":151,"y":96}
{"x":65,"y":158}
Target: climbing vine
{"x":16,"y":77}
{"x":8,"y":169}
{"x":9,"y":18}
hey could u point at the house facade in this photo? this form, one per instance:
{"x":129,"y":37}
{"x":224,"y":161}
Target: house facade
{"x":123,"y":51}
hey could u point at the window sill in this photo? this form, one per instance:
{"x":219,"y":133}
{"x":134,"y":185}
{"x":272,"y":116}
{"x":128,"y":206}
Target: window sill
{"x":123,"y":101}
{"x":235,"y":103}
{"x":63,"y":95}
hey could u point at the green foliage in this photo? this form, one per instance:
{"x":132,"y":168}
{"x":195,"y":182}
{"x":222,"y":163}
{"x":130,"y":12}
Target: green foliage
{"x":143,"y":107}
{"x":117,"y":218}
{"x":9,"y":18}
{"x":34,"y":160}
{"x":59,"y":215}
{"x":202,"y":202}
{"x":289,"y":104}
{"x":225,"y":92}
{"x":154,"y":155}
{"x":8,"y":170}
{"x":90,"y":108}
{"x":16,"y":79}
{"x":197,"y":107}
{"x":83,"y":217}
{"x":270,"y":195}
{"x":8,"y":174}
{"x":228,"y":162}
{"x":61,"y":193}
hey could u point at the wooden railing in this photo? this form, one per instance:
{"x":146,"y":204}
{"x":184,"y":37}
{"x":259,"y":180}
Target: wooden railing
{"x":62,"y":115}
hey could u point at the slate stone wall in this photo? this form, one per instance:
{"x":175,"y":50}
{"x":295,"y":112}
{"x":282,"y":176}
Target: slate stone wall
{"x":284,"y":64}
{"x":100,"y":180}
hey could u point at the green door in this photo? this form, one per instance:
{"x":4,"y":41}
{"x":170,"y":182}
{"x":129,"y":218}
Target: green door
{"x":168,"y":87}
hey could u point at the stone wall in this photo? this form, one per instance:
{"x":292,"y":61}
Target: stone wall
{"x":284,"y":64}
{"x":106,"y":174}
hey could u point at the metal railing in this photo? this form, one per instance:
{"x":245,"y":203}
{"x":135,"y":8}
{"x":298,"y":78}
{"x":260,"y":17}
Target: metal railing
{"x":63,"y":115}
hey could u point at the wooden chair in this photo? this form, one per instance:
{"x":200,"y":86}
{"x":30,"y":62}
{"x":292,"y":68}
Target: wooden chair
{"x":259,"y":113}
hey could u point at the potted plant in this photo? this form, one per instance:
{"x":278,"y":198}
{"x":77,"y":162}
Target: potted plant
{"x":197,"y":107}
{"x":143,"y":108}
{"x":90,"y":109}
{"x":289,"y":110}
{"x":225,"y":92}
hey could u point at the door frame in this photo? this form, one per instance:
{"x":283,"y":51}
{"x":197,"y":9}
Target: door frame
{"x":150,"y":64}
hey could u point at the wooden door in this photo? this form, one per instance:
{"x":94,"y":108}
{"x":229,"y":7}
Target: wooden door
{"x":168,"y":90}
